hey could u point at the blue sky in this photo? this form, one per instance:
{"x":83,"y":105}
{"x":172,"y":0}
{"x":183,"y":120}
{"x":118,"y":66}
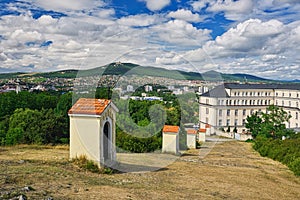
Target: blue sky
{"x":259,"y":37}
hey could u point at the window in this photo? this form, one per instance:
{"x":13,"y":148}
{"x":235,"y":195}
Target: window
{"x":258,"y":93}
{"x":236,"y":112}
{"x":228,"y":112}
{"x":290,"y":94}
{"x":220,"y":112}
{"x":220,"y":122}
{"x":276,"y":94}
{"x":207,"y":101}
{"x":244,"y":112}
{"x":206,"y":120}
{"x":282,"y":103}
{"x":290,"y":103}
{"x":251,"y":111}
{"x":244,"y":122}
{"x":207,"y":110}
{"x":235,"y":122}
{"x":296,"y":125}
{"x":227,"y":122}
{"x":297,"y":104}
{"x":296,"y":115}
{"x":283,"y":94}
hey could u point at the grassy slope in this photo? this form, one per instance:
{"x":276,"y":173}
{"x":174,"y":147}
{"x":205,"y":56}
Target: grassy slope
{"x":232,"y":170}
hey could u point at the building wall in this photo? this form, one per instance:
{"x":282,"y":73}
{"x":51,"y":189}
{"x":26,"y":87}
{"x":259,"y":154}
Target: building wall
{"x":233,"y":110}
{"x":191,"y":141}
{"x":170,"y":143}
{"x":85,"y":137}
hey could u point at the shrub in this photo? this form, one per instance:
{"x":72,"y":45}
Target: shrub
{"x":84,"y":163}
{"x":295,"y":166}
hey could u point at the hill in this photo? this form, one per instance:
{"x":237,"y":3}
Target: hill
{"x":228,"y":170}
{"x":129,"y":68}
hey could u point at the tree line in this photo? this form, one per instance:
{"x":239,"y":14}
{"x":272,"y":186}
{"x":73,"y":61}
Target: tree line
{"x":34,"y":118}
{"x":41,"y":118}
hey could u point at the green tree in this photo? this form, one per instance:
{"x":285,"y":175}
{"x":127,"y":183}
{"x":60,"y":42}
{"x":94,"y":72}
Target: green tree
{"x":270,"y":124}
{"x":253,"y":123}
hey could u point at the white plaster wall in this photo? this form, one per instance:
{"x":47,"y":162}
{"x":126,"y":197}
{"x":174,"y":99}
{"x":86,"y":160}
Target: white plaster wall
{"x":170,"y":143}
{"x":201,"y":137}
{"x":88,"y":142}
{"x":191,"y":141}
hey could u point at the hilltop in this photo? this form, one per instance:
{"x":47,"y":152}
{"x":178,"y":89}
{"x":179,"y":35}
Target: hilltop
{"x":130,"y":68}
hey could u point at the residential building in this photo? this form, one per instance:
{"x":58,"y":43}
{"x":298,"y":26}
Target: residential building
{"x":228,"y":105}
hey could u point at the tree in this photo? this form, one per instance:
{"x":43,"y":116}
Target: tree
{"x":270,"y":124}
{"x":254,"y":122}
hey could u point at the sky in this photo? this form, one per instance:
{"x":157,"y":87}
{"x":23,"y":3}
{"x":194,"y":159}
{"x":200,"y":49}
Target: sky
{"x":258,"y":37}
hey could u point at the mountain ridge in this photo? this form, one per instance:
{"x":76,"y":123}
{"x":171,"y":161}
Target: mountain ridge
{"x":117,"y":68}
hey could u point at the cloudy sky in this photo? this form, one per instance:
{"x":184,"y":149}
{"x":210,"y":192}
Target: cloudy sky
{"x":259,"y":37}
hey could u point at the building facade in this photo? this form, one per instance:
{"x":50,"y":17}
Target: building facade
{"x":93,"y":130}
{"x":228,"y":105}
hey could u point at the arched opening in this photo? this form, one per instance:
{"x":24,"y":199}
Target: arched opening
{"x":106,"y":141}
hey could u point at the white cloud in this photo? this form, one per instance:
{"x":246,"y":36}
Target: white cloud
{"x":200,"y":4}
{"x":185,"y":15}
{"x":140,"y":20}
{"x":234,"y":10}
{"x":155,"y":5}
{"x":68,"y":5}
{"x":180,"y":33}
{"x":46,"y":20}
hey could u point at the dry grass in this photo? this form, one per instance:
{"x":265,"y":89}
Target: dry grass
{"x":231,"y":170}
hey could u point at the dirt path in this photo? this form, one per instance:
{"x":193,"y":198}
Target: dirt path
{"x":220,"y":170}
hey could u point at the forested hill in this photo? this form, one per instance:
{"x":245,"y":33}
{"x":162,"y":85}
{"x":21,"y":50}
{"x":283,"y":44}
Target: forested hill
{"x":129,"y":68}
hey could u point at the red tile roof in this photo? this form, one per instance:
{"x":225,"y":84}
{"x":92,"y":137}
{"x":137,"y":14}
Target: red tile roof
{"x":202,"y":130}
{"x":191,"y":131}
{"x":171,"y":129}
{"x":89,"y":106}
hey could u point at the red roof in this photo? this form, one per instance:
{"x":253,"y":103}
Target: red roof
{"x":171,"y":129}
{"x":191,"y":131}
{"x":207,"y":126}
{"x":202,"y":130}
{"x":89,"y":106}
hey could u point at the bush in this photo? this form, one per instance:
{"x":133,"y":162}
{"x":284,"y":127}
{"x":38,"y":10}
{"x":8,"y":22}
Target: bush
{"x":83,"y":163}
{"x":295,"y":166}
{"x":286,"y":152}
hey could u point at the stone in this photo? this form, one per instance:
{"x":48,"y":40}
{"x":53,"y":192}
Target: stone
{"x":22,"y":197}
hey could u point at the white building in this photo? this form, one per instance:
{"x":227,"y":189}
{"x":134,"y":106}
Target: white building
{"x":93,"y":130}
{"x":191,"y":138}
{"x":130,"y":88}
{"x":170,"y":142}
{"x":228,"y":105}
{"x":148,"y":88}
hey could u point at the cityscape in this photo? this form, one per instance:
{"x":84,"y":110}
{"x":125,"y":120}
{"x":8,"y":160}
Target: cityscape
{"x":146,"y":99}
